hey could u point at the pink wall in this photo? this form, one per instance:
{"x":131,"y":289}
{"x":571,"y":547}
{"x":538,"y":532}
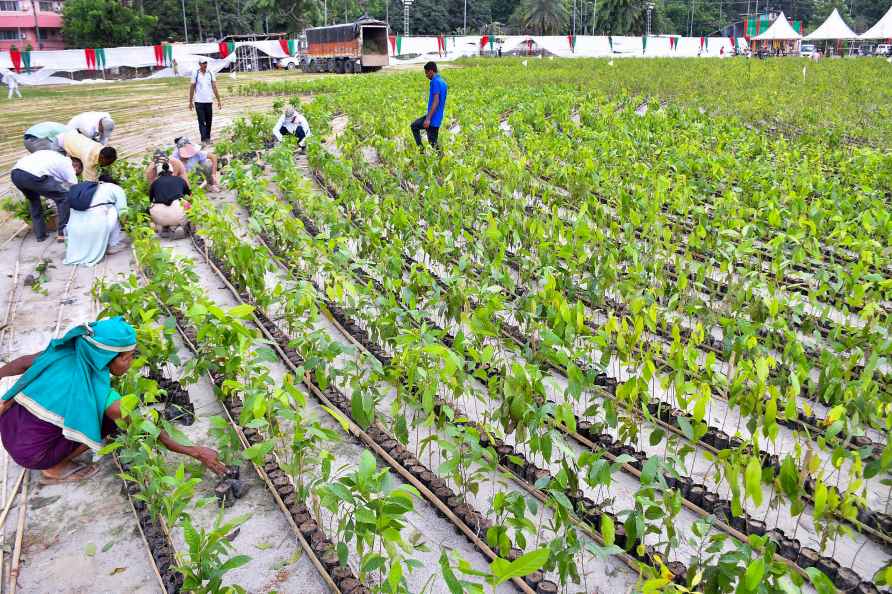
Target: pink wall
{"x":22,"y":23}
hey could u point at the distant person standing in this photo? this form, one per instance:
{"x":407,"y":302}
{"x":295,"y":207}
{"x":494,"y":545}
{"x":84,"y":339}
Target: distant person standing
{"x":436,"y":104}
{"x":95,"y":125}
{"x":12,"y":84}
{"x":201,"y":95}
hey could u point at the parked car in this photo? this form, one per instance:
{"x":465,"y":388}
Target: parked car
{"x":806,"y":50}
{"x":289,"y":63}
{"x":883,"y":49}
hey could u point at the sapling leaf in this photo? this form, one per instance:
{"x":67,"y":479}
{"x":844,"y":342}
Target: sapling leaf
{"x":524,"y":565}
{"x":90,"y":549}
{"x":753,"y":480}
{"x":820,"y":581}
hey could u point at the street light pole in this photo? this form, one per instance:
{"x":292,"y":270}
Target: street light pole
{"x":465,"y":28}
{"x":185,"y":29}
{"x":650,"y":7}
{"x":406,"y":5}
{"x":574,"y":18}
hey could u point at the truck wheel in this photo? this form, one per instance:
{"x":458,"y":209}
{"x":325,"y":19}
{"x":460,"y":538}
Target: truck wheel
{"x":291,"y":66}
{"x":339,"y":67}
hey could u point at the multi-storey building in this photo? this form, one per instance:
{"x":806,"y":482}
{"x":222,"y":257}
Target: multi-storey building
{"x":20,"y":20}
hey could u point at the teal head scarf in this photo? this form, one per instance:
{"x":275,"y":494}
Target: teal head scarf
{"x":69,"y":384}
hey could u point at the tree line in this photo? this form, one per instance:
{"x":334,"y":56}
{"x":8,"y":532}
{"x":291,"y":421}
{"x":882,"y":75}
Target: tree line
{"x":110,"y":23}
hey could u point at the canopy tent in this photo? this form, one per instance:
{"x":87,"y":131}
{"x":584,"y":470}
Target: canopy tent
{"x":833,"y":28}
{"x":883,"y":28}
{"x":779,"y":30}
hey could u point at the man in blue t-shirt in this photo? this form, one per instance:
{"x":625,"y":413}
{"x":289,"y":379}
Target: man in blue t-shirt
{"x":436,"y":103}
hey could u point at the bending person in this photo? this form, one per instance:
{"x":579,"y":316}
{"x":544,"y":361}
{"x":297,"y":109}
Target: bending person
{"x":44,"y":137}
{"x":159,"y":159}
{"x":167,"y":194}
{"x":292,"y":122}
{"x":195,"y":159}
{"x":95,"y":125}
{"x":50,"y":174}
{"x":92,"y":154}
{"x":64,"y":404}
{"x":96,"y":231}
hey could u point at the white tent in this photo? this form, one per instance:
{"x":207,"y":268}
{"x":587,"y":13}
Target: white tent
{"x":883,"y":28}
{"x":833,"y":28}
{"x":780,"y":29}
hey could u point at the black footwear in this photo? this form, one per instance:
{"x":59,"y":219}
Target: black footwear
{"x":39,"y":239}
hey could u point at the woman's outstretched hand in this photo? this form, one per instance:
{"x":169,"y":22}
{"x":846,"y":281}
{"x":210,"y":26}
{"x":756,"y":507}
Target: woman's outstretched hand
{"x":209,"y":458}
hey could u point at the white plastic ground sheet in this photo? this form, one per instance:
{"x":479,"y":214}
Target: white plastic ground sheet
{"x":46,"y":65}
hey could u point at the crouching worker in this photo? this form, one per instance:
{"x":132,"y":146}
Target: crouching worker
{"x":292,"y":123}
{"x":195,"y":159}
{"x":64,"y":404}
{"x":50,"y":174}
{"x":167,"y":194}
{"x":94,"y":228}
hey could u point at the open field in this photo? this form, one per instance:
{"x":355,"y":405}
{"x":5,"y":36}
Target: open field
{"x":629,"y":332}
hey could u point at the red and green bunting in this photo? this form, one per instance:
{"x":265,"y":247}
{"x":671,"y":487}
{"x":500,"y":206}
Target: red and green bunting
{"x":396,"y":44}
{"x":704,"y":43}
{"x":673,"y":42}
{"x":572,"y":40}
{"x":19,"y":59}
{"x":643,"y":43}
{"x":483,"y":41}
{"x":289,"y":46}
{"x":441,"y":45}
{"x":95,"y":58}
{"x":163,"y":54}
{"x":610,"y":41}
{"x":225,"y":48}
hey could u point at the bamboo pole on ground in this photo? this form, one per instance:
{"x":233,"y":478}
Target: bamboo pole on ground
{"x":20,"y":532}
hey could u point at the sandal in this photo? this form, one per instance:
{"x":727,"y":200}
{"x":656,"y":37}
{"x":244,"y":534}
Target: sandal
{"x":74,"y":473}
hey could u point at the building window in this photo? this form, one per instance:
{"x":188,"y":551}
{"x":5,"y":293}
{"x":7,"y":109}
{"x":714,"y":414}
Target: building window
{"x":9,"y":5}
{"x":46,"y":6}
{"x":9,"y":34}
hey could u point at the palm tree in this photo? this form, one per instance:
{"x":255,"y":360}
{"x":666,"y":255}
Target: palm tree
{"x":545,"y":17}
{"x":621,"y":17}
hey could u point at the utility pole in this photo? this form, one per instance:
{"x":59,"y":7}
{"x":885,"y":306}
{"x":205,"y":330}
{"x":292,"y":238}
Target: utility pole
{"x":650,"y":7}
{"x":185,"y":28}
{"x":219,"y":22}
{"x":36,"y":25}
{"x":574,"y":18}
{"x":691,"y":28}
{"x":594,"y":16}
{"x":465,"y":28}
{"x":406,"y":5}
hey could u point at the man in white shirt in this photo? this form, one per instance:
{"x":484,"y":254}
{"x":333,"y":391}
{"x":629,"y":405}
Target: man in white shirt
{"x":50,"y":174}
{"x":201,"y":95}
{"x":292,"y":122}
{"x":95,"y":125}
{"x":13,"y":84}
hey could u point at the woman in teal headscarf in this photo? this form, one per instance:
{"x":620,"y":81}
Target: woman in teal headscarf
{"x":64,"y":404}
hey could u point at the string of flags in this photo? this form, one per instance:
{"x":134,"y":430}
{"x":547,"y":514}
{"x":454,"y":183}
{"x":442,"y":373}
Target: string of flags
{"x":95,"y":58}
{"x":163,"y":54}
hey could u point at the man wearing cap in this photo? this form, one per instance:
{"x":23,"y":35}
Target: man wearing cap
{"x":293,"y":123}
{"x":95,"y":125}
{"x":201,"y":95}
{"x":193,"y":158}
{"x":44,"y":137}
